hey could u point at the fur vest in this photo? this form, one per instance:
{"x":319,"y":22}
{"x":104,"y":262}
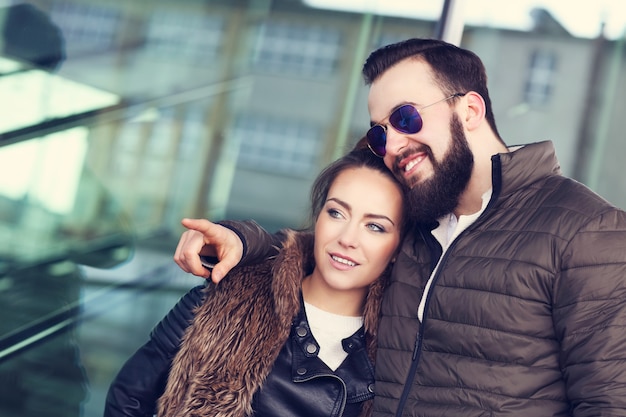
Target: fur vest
{"x":239,"y":330}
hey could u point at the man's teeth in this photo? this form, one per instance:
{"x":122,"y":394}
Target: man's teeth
{"x":343,"y":261}
{"x":412,"y":164}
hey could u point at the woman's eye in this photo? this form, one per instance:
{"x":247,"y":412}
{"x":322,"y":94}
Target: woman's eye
{"x":334,"y":213}
{"x":376,"y":227}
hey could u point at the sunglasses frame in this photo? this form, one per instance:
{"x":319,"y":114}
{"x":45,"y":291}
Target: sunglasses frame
{"x":399,"y":129}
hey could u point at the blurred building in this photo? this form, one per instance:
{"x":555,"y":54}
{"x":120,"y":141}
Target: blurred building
{"x":233,"y":107}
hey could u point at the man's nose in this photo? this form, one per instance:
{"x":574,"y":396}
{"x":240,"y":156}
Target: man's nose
{"x":396,"y":141}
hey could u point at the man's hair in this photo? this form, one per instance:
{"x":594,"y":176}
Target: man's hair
{"x":456,"y":70}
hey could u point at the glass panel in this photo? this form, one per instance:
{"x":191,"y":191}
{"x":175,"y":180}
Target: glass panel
{"x":120,"y":117}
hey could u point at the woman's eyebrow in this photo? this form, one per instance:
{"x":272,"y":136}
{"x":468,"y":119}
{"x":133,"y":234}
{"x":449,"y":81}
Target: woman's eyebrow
{"x":369,"y":215}
{"x":380,"y":216}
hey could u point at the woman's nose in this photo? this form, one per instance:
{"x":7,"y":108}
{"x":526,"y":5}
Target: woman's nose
{"x":349,"y":236}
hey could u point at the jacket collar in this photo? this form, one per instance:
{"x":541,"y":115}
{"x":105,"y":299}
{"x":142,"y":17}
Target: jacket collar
{"x":510,"y":172}
{"x":523,"y":166}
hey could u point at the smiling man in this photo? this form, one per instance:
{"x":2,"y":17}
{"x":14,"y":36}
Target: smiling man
{"x":521,"y":282}
{"x":509,"y":296}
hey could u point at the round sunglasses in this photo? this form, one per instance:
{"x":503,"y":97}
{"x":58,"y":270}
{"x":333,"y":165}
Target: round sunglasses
{"x":405,"y":119}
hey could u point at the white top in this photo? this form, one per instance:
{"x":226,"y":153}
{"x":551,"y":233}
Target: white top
{"x":329,"y":330}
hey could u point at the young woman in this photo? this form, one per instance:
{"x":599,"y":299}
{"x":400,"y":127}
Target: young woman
{"x":292,"y":336}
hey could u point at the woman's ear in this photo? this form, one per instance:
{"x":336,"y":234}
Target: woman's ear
{"x":474,"y":110}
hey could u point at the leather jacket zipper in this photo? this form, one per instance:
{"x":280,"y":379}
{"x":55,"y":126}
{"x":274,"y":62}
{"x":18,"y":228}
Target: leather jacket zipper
{"x":344,"y":397}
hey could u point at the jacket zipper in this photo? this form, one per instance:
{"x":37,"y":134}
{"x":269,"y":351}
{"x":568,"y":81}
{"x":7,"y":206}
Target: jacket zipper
{"x":496,"y":181}
{"x":344,"y":397}
{"x":496,"y":175}
{"x":416,"y":347}
{"x":411,"y":375}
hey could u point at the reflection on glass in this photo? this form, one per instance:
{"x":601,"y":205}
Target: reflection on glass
{"x":37,"y":174}
{"x":37,"y":96}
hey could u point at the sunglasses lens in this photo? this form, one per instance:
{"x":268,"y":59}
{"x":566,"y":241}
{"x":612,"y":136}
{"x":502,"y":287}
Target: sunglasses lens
{"x":377,"y":139}
{"x":406,"y":119}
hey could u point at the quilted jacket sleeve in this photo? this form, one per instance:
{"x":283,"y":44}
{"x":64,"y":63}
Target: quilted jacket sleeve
{"x":141,"y":381}
{"x":590,"y":316}
{"x":258,"y":243}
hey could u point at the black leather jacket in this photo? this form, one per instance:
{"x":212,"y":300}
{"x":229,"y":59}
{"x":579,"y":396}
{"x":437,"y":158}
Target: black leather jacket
{"x":299,"y":385}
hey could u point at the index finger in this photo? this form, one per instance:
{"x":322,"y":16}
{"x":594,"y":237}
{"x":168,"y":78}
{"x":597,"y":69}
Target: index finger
{"x":210,"y":231}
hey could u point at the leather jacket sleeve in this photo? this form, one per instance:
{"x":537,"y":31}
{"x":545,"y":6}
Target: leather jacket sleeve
{"x":142,"y":379}
{"x":258,"y":243}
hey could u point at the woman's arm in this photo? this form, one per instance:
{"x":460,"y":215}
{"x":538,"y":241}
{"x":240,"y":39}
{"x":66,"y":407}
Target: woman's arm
{"x":141,"y":381}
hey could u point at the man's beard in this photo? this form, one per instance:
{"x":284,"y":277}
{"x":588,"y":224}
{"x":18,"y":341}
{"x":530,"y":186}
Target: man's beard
{"x":439,"y":195}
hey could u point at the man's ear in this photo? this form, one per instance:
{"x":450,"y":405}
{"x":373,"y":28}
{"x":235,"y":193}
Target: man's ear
{"x":474,"y":110}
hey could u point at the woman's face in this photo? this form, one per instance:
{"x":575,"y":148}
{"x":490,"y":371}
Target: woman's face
{"x":357,"y":231}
